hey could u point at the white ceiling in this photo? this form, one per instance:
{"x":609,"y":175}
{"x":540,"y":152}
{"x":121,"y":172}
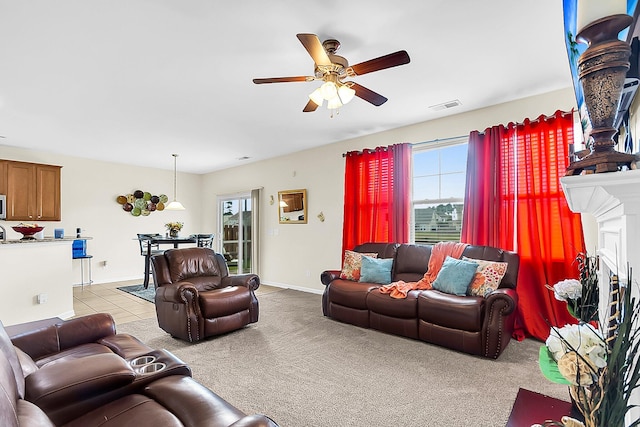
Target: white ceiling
{"x":133,"y":81}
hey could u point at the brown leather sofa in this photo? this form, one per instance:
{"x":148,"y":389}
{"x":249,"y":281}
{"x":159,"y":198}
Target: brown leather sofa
{"x":475,"y":325}
{"x":197,"y":298}
{"x":81,"y":373}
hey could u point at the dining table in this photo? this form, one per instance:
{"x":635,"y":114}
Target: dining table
{"x":161,"y":240}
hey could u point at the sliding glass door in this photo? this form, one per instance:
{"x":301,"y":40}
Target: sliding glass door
{"x":235,"y":225}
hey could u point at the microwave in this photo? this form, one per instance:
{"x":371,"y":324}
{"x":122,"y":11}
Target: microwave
{"x":3,"y":206}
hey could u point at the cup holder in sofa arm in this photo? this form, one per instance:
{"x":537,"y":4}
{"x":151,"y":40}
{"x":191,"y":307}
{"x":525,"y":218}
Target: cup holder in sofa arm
{"x":142,"y":360}
{"x":59,"y":384}
{"x":157,"y":364}
{"x":151,"y":368}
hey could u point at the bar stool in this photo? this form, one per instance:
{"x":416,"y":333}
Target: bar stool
{"x":79,"y":251}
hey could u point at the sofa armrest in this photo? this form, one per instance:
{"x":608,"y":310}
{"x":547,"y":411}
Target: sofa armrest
{"x":498,"y":321}
{"x":329,"y":276}
{"x":256,"y":420}
{"x":179,"y":293}
{"x":251,"y":281}
{"x":507,"y":296}
{"x":51,"y":339}
{"x":60,"y":384}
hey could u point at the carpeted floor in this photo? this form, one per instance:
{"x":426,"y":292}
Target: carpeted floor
{"x":148,"y":294}
{"x":303,"y":369}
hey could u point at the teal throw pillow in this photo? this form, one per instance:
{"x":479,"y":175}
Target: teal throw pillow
{"x":376,"y":270}
{"x":454,"y":276}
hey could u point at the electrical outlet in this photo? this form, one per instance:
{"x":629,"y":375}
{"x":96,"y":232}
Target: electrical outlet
{"x":42,"y":298}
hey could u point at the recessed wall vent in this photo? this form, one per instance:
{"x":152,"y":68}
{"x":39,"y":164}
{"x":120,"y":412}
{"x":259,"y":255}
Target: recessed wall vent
{"x":445,"y":105}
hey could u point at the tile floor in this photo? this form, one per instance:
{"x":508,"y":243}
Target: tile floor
{"x":124,"y":307}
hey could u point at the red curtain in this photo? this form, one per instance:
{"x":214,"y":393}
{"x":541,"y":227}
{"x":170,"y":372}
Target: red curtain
{"x":515,"y":201}
{"x":377,"y":196}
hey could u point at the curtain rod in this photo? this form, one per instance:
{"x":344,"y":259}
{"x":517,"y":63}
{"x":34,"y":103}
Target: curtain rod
{"x":537,"y":119}
{"x":414,"y":144}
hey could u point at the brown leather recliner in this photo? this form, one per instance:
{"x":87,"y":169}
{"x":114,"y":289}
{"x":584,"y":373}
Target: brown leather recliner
{"x":197,"y":298}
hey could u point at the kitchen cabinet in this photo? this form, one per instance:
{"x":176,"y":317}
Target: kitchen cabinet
{"x":33,"y":191}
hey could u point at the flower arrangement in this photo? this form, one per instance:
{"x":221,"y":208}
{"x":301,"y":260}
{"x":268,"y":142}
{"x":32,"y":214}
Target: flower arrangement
{"x":174,"y":228}
{"x":582,"y":295}
{"x":599,"y":370}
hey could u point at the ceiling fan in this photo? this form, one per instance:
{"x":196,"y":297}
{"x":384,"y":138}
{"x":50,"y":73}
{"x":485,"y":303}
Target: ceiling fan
{"x":332,"y":69}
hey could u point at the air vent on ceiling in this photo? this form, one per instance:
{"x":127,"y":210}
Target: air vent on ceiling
{"x":445,"y":105}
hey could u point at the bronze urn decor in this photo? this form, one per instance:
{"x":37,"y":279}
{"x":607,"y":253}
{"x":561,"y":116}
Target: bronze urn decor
{"x":602,"y":69}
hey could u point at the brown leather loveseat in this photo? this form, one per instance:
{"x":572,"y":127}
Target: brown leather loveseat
{"x":81,"y":373}
{"x":479,"y":325}
{"x":197,"y":298}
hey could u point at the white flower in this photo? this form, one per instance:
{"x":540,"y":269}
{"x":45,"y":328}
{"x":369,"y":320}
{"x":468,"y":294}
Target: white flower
{"x":567,"y":289}
{"x":584,"y":339}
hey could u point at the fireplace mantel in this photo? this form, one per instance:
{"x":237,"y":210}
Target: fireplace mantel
{"x":614,"y":200}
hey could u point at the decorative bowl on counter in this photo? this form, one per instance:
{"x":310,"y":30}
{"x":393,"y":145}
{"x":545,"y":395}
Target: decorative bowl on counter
{"x":27,"y":232}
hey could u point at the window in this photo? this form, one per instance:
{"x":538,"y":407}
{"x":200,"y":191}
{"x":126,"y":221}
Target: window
{"x":439,"y":174}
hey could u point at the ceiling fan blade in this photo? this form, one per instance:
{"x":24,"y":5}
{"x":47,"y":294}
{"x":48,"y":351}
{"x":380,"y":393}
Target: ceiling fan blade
{"x":284,"y":79}
{"x":387,"y":61}
{"x":311,"y":106}
{"x":315,"y":49}
{"x":368,"y":95}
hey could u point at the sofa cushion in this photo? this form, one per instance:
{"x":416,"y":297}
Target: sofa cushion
{"x":376,"y":270}
{"x":454,"y":276}
{"x":58,"y":384}
{"x":451,"y":311}
{"x":191,"y":262}
{"x":26,"y":362}
{"x":30,"y":415}
{"x":349,"y":293}
{"x":77,"y":352}
{"x":225,"y":301}
{"x":487,"y":278}
{"x":353,"y":263}
{"x":411,"y":262}
{"x":134,"y":409}
{"x":404,"y":308}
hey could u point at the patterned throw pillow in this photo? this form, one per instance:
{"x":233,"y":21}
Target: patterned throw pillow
{"x":352,"y":264}
{"x":488,"y":277}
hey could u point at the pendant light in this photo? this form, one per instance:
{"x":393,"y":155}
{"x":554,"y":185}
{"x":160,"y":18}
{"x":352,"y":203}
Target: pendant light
{"x":174,"y":205}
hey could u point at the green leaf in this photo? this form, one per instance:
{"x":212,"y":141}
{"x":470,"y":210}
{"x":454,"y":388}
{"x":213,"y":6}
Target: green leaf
{"x":549,"y":367}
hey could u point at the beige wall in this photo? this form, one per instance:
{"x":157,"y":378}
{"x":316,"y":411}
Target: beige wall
{"x":292,"y":255}
{"x":89,"y":191}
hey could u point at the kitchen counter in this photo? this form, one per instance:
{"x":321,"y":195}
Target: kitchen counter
{"x":44,"y":240}
{"x":37,"y":279}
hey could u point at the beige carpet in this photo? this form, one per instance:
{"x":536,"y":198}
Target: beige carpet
{"x":303,"y":369}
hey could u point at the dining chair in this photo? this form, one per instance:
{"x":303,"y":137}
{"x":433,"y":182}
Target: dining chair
{"x":203,"y":240}
{"x":147,"y":250}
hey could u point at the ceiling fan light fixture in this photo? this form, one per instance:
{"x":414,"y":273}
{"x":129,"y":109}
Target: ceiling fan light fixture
{"x":334,"y":103}
{"x":346,"y":94}
{"x":329,"y":90}
{"x":316,"y":96}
